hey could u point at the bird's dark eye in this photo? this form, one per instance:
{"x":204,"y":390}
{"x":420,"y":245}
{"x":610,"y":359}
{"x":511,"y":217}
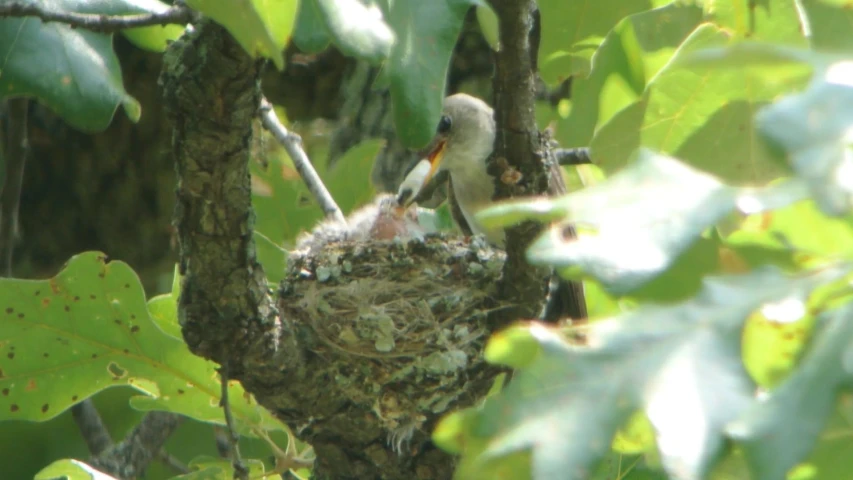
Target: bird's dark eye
{"x":444,"y":124}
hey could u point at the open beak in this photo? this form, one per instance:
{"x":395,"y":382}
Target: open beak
{"x":421,"y":174}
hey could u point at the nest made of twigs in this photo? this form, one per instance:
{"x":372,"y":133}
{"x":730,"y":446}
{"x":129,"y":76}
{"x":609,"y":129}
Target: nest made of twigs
{"x":399,"y":326}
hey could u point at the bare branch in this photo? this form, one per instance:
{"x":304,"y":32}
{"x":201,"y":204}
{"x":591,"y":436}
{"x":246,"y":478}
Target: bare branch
{"x":95,"y":434}
{"x":129,"y":458}
{"x":17,"y":150}
{"x":240,"y":469}
{"x":170,"y":461}
{"x":179,"y":14}
{"x":292,"y":143}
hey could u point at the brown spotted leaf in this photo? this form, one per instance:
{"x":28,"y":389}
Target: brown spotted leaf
{"x":67,"y":338}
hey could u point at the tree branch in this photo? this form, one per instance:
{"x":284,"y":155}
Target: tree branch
{"x":179,"y":14}
{"x":518,"y":145}
{"x":572,"y":156}
{"x":129,"y":458}
{"x":292,"y":143}
{"x":17,"y":150}
{"x":213,"y":211}
{"x":95,"y":434}
{"x":241,"y":472}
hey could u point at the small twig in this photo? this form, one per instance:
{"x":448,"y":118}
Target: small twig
{"x":173,"y":463}
{"x":223,"y":445}
{"x":572,"y":156}
{"x":129,"y":458}
{"x":179,"y":14}
{"x":292,"y":143}
{"x":240,"y":470}
{"x":95,"y":434}
{"x":17,"y":150}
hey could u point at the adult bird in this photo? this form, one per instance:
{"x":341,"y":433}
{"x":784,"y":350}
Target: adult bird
{"x":457,"y":154}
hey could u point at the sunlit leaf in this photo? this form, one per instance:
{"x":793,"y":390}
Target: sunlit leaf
{"x":417,"y":69}
{"x":620,"y":69}
{"x":70,"y":469}
{"x":702,"y":115}
{"x":828,"y":25}
{"x":570,"y":28}
{"x":813,"y":128}
{"x":357,"y":29}
{"x":779,"y":429}
{"x":262,"y":27}
{"x":209,"y":468}
{"x":679,"y":363}
{"x":88,"y":329}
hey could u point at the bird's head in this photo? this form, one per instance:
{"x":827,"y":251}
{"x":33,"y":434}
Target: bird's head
{"x":465,"y":134}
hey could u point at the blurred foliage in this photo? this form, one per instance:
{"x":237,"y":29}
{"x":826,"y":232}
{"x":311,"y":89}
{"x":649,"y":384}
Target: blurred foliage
{"x":746,"y":97}
{"x":715,"y":241}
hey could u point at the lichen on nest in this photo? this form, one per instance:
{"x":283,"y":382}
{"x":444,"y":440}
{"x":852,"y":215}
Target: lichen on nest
{"x":399,"y":325}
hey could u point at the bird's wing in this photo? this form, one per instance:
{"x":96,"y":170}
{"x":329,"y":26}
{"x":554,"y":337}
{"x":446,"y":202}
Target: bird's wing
{"x":456,"y":212}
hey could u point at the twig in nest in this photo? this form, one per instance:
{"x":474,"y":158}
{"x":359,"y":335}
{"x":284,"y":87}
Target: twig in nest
{"x":292,"y":143}
{"x":240,"y":469}
{"x":180,"y":15}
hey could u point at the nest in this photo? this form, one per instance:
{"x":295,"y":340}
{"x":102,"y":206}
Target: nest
{"x":396,"y":328}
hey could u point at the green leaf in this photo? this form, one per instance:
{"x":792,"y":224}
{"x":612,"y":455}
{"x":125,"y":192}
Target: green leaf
{"x":283,"y":204}
{"x":828,"y":25}
{"x":701,"y":115}
{"x":780,"y":429}
{"x":680,"y":364}
{"x":488,"y":21}
{"x":261,"y":27}
{"x":812,"y":127}
{"x":571,"y":31}
{"x":349,"y":180}
{"x":88,"y":329}
{"x":802,"y":228}
{"x":773,"y":339}
{"x":658,"y":203}
{"x":776,"y":21}
{"x":70,"y":469}
{"x":620,"y":67}
{"x":310,"y":33}
{"x":272,"y":257}
{"x":417,"y":69}
{"x":164,"y":308}
{"x":751,"y":54}
{"x":155,"y":38}
{"x":210,"y":468}
{"x":514,"y":347}
{"x":358,"y":29}
{"x":72,"y":71}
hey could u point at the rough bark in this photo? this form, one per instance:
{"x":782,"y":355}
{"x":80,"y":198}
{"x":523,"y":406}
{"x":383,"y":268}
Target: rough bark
{"x":518,"y":162}
{"x":212,"y":93}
